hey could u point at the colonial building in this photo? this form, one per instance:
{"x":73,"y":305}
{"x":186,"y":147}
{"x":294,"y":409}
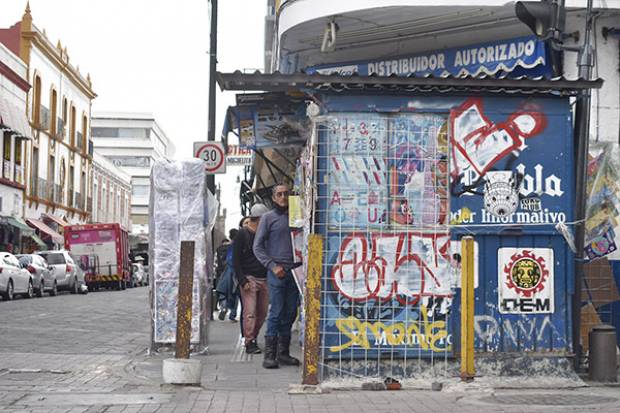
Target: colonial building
{"x":132,"y":142}
{"x":14,"y":130}
{"x":58,"y":160}
{"x":111,"y":193}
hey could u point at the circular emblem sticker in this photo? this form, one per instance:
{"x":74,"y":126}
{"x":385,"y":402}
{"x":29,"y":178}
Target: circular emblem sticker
{"x":526,"y":273}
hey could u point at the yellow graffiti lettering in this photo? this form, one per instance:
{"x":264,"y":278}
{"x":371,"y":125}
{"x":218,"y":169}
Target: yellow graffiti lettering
{"x":427,"y":335}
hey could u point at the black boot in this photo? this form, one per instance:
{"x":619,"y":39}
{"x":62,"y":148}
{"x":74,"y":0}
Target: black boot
{"x":284,"y":356}
{"x":271,"y":349}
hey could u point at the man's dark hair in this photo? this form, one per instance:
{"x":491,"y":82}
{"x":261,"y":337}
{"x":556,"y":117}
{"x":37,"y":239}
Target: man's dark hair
{"x":233,"y":233}
{"x":273,"y":188}
{"x":241,"y":222}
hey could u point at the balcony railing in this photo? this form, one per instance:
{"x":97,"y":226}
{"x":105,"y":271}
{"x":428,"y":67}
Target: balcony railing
{"x":19,"y":174}
{"x":41,"y":188}
{"x":78,"y":201}
{"x":57,"y":194}
{"x":60,"y":128}
{"x":79,"y":141}
{"x":6,"y":169}
{"x":44,"y":118}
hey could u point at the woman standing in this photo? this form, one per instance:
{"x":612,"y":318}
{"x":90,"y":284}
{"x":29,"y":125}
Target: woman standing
{"x":252,"y":278}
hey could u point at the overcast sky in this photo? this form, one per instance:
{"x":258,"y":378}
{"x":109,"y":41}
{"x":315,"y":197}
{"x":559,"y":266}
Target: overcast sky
{"x":152,"y":56}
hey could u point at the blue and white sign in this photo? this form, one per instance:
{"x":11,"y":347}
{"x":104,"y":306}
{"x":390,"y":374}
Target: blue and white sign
{"x":488,"y":58}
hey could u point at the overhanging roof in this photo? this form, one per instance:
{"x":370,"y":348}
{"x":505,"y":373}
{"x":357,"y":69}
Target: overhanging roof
{"x":278,"y":82}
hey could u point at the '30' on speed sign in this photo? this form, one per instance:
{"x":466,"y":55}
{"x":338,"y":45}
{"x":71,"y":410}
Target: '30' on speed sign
{"x":213,"y":154}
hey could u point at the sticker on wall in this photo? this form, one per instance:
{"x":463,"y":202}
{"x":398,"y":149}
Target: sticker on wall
{"x":501,"y":193}
{"x":601,"y":245}
{"x":525,"y":280}
{"x":531,"y":204}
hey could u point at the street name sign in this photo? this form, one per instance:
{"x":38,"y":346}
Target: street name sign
{"x":213,"y":154}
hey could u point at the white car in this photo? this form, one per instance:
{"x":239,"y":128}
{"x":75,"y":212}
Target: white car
{"x":14,"y":279}
{"x":43,"y":276}
{"x":65,"y":270}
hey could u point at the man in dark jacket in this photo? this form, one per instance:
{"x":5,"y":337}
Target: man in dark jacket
{"x":252,"y":278}
{"x":274,"y":249}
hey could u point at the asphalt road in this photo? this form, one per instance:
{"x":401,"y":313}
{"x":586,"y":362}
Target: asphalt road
{"x":105,"y":322}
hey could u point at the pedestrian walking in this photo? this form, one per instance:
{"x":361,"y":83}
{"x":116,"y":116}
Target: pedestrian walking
{"x":252,"y":278}
{"x":227,"y":287}
{"x":274,"y":249}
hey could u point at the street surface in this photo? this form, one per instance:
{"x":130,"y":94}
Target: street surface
{"x":76,"y":353}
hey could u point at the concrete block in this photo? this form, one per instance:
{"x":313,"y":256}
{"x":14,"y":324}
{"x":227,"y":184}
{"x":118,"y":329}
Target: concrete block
{"x":182,"y":371}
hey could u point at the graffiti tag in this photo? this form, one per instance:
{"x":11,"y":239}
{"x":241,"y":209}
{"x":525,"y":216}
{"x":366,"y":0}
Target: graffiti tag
{"x":427,"y":335}
{"x":405,"y":266}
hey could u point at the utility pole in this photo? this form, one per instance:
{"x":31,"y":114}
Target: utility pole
{"x":582,"y":143}
{"x":212,"y":85}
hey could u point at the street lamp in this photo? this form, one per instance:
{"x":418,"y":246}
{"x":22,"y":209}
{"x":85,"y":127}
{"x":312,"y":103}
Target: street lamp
{"x":546,"y":19}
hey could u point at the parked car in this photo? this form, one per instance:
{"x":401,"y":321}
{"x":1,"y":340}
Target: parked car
{"x":43,"y":276}
{"x":138,"y":276}
{"x":13,"y":278}
{"x":63,"y":264}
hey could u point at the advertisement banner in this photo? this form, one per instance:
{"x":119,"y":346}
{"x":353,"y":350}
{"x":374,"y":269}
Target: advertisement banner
{"x":237,"y":155}
{"x":527,"y":53}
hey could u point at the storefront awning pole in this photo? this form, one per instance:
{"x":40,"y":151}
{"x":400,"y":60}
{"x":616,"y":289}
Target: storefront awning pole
{"x":582,"y":137}
{"x":212,"y":83}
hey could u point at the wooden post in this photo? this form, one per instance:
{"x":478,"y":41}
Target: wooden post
{"x":312,"y":310}
{"x":184,"y":300}
{"x":467,"y":309}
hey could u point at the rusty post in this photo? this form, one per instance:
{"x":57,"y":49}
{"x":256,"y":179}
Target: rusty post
{"x":313,"y":310}
{"x":184,"y":300}
{"x":467,"y":309}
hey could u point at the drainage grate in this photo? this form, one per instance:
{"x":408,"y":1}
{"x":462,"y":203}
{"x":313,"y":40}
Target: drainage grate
{"x":547,"y":399}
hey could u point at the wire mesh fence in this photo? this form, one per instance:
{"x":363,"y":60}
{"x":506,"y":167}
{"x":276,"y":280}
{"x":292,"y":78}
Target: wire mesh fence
{"x":388,"y":270}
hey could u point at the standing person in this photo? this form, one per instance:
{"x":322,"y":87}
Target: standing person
{"x":252,"y":277}
{"x":227,"y":285}
{"x":274,"y":249}
{"x":220,"y":254}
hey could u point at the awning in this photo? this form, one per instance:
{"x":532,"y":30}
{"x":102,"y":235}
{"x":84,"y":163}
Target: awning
{"x":299,"y":82}
{"x":40,"y":225}
{"x":56,"y":219}
{"x":14,"y":119}
{"x":20,"y":224}
{"x":37,"y":240}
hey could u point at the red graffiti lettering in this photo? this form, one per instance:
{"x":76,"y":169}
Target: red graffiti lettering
{"x":478,"y":143}
{"x":405,"y":266}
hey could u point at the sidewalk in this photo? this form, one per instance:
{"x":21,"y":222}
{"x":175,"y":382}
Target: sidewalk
{"x":101,"y":372}
{"x":235,"y":382}
{"x":226,"y":366}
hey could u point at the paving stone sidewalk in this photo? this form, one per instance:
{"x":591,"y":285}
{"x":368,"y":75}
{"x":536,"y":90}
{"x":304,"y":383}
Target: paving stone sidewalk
{"x":88,"y":354}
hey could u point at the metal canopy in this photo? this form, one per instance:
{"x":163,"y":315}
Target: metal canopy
{"x":278,"y":82}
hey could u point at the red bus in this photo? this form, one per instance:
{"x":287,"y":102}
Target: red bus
{"x":102,"y":251}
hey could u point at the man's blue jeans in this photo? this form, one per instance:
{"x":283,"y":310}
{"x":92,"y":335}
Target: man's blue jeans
{"x":283,"y":302}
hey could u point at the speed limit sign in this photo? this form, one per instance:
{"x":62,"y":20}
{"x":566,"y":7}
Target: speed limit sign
{"x":213,"y":154}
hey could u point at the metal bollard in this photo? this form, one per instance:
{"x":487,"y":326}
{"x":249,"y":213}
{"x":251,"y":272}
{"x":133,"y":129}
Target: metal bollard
{"x":603,"y":364}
